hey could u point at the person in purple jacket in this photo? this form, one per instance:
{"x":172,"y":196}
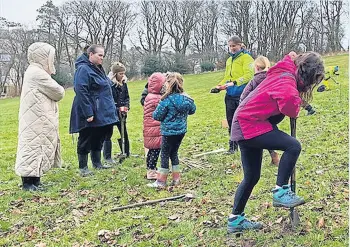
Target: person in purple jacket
{"x":261,"y":66}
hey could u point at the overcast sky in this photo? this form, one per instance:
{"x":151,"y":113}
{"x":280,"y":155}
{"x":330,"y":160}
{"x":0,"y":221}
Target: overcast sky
{"x":24,"y":11}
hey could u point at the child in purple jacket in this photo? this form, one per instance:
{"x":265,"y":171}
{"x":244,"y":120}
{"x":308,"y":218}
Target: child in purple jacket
{"x":261,"y":65}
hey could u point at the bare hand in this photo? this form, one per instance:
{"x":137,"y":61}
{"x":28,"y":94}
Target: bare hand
{"x":292,"y":55}
{"x":90,"y":119}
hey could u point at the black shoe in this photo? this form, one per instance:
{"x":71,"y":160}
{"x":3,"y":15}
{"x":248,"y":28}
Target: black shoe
{"x":28,"y":184}
{"x":96,"y":160}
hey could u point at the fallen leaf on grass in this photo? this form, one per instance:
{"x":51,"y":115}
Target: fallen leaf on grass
{"x":308,"y":226}
{"x":256,"y":218}
{"x":40,"y":245}
{"x":248,"y":243}
{"x":31,"y":230}
{"x":319,"y":172}
{"x":201,"y":233}
{"x":84,"y":192}
{"x":279,"y":220}
{"x":108,"y":236}
{"x":321,"y":223}
{"x":138,"y":217}
{"x":173,"y":217}
{"x":16,"y":211}
{"x":78,"y":213}
{"x":132,"y":192}
{"x":267,"y":204}
{"x":207,"y":223}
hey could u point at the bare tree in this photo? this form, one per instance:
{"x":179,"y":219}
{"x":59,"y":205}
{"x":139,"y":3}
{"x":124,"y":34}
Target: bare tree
{"x":180,"y":20}
{"x":151,"y":32}
{"x":206,"y":31}
{"x":238,"y":18}
{"x":332,"y":11}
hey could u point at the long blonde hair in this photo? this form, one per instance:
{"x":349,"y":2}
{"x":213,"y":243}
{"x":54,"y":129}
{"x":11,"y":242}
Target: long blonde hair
{"x":262,"y":62}
{"x":174,"y":84}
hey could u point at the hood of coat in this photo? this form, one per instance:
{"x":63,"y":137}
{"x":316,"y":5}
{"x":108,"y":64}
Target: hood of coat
{"x":155,"y":83}
{"x":42,"y":55}
{"x":287,"y":67}
{"x":83,"y":59}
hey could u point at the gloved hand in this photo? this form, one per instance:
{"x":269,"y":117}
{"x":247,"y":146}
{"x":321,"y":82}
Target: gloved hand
{"x":215,"y":90}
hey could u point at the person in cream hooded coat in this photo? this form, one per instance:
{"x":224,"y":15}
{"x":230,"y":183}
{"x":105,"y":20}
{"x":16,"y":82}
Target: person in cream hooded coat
{"x":38,"y":138}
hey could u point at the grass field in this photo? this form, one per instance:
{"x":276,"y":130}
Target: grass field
{"x":73,"y":209}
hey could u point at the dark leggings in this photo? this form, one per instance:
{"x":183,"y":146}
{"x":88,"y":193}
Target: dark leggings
{"x":231,"y":104}
{"x":251,"y":155}
{"x":152,"y":158}
{"x":91,"y":139}
{"x":170,"y":147}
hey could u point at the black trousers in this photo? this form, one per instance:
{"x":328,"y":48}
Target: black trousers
{"x":231,"y":104}
{"x":92,"y":138}
{"x":251,"y":156}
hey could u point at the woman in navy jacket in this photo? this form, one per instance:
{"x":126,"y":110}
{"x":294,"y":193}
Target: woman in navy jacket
{"x":93,"y":109}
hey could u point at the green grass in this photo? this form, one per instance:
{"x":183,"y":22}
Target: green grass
{"x":74,"y":209}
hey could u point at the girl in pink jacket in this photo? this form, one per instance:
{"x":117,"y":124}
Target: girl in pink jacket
{"x":151,"y":128}
{"x":254,"y":127}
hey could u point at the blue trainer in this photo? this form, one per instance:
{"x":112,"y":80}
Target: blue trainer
{"x":285,"y":197}
{"x":240,"y":223}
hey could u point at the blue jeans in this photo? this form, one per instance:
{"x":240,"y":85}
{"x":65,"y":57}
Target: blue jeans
{"x":170,"y":148}
{"x":251,"y":156}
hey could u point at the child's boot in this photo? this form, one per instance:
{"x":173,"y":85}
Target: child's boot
{"x":275,"y":160}
{"x":151,"y":174}
{"x":176,"y":176}
{"x":239,"y":223}
{"x":285,"y":197}
{"x":161,"y":179}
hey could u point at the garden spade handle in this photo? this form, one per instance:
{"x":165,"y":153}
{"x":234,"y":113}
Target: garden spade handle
{"x":294,"y":216}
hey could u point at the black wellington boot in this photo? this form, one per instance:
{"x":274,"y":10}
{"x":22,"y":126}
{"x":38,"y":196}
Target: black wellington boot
{"x":28,"y":184}
{"x":83,"y":165}
{"x":107,"y":152}
{"x":96,"y":160}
